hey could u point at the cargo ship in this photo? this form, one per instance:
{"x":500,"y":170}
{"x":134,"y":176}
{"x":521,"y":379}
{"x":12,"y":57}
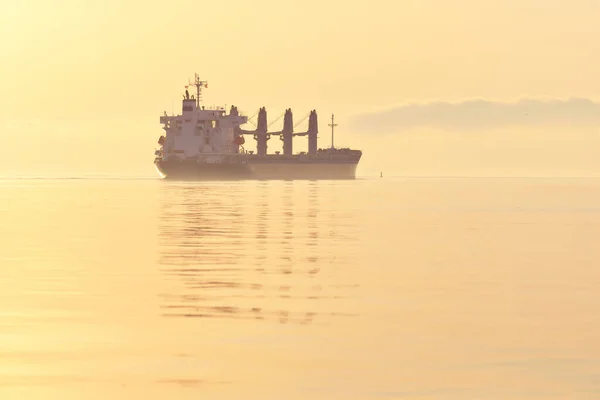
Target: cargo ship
{"x":208,"y":144}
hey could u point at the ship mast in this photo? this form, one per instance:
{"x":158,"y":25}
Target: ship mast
{"x":199,"y":85}
{"x":332,"y":125}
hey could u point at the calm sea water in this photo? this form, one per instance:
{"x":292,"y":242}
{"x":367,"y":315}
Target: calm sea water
{"x":370,"y":289}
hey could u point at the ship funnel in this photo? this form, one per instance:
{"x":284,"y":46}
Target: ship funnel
{"x":188,"y":106}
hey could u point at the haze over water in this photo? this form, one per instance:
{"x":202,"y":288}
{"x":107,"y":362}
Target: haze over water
{"x":423,"y":288}
{"x":395,"y":288}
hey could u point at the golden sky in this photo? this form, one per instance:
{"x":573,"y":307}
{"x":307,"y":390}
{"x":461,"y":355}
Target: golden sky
{"x":85,"y":80}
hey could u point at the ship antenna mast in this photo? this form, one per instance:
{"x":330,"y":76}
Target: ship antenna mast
{"x":332,"y":125}
{"x":199,"y":85}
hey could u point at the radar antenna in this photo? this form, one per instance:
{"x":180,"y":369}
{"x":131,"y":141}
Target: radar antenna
{"x":332,"y":125}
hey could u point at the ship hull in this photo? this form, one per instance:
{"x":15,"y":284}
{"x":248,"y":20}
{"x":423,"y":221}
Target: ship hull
{"x":179,"y":170}
{"x":303,"y":170}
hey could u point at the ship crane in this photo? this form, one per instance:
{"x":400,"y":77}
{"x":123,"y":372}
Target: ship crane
{"x":301,"y":120}
{"x":313,"y":130}
{"x":251,"y":119}
{"x":262,"y":135}
{"x":252,"y":122}
{"x":275,"y":120}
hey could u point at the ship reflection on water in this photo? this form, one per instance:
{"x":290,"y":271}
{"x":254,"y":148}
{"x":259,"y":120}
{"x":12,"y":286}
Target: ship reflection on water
{"x":264,"y":251}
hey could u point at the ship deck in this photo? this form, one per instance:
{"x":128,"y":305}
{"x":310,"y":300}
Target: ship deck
{"x":322,"y":157}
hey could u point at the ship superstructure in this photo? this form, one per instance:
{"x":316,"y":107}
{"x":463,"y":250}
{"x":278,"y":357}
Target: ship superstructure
{"x":205,"y":143}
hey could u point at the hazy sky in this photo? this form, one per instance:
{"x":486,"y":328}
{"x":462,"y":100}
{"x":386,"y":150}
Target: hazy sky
{"x":83,"y":82}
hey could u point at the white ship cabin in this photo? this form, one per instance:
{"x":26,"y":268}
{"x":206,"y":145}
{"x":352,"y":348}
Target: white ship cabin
{"x":199,"y":132}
